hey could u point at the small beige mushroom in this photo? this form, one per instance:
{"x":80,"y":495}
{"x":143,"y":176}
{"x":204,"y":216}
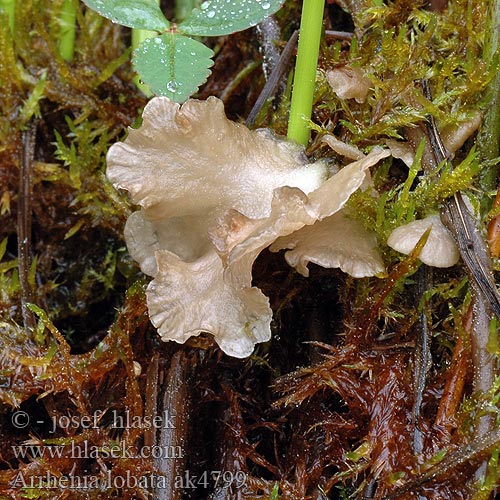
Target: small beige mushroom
{"x":454,"y":136}
{"x":342,"y":148}
{"x":401,"y":150}
{"x":186,"y":299}
{"x":186,"y":166}
{"x":190,"y":160}
{"x":440,"y":249}
{"x":336,"y":241}
{"x":349,"y":82}
{"x":183,"y":236}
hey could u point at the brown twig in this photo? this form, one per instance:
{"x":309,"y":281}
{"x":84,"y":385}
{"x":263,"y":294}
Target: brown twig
{"x":422,"y":358}
{"x":25,"y":195}
{"x":273,"y":81}
{"x":485,"y":298}
{"x":173,"y":434}
{"x":455,"y":382}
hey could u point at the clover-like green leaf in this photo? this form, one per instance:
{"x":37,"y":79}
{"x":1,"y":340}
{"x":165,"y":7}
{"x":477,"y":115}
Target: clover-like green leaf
{"x":140,"y":14}
{"x":173,"y":65}
{"x":222,"y":17}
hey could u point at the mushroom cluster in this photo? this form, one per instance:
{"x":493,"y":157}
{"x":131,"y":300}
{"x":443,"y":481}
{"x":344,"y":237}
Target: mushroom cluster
{"x":213,"y":194}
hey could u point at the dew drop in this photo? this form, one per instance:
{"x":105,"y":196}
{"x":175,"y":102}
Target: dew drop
{"x":204,"y":5}
{"x":172,"y":86}
{"x":193,"y":53}
{"x":266,"y":5}
{"x":211,"y":13}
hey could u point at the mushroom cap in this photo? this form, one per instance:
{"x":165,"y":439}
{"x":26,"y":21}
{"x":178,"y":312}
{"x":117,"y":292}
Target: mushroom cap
{"x":190,"y":159}
{"x":239,"y":239}
{"x":186,"y":299}
{"x":213,"y":195}
{"x":440,"y":249}
{"x":401,"y":150}
{"x":349,"y":82}
{"x":348,"y":150}
{"x":184,"y":236}
{"x":336,"y":241}
{"x":454,"y":136}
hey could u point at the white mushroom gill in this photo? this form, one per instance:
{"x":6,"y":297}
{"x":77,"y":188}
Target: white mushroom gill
{"x":213,"y":195}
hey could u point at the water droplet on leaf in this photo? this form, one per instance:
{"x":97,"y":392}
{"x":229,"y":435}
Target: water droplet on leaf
{"x":266,"y":5}
{"x":172,"y":86}
{"x":211,"y":14}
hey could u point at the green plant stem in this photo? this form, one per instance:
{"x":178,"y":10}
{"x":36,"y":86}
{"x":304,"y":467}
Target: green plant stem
{"x":488,"y":141}
{"x":9,"y":7}
{"x":138,"y":36}
{"x":67,"y":22}
{"x":305,"y":71}
{"x":183,"y":8}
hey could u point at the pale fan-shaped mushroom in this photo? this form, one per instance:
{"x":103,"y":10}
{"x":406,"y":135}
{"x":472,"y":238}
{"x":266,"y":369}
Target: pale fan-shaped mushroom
{"x":455,"y":135}
{"x":349,"y":82}
{"x":336,"y":241}
{"x":213,"y":195}
{"x":184,"y":236}
{"x":190,"y":160}
{"x":401,"y":150}
{"x":439,"y":251}
{"x":186,"y":299}
{"x":239,"y":239}
{"x":342,"y":148}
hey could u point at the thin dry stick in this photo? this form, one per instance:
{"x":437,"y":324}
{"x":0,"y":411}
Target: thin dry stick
{"x":274,"y":80}
{"x":173,"y":434}
{"x":25,"y":194}
{"x":422,"y":358}
{"x":485,"y":298}
{"x":456,"y":217}
{"x":151,"y":398}
{"x":268,"y":31}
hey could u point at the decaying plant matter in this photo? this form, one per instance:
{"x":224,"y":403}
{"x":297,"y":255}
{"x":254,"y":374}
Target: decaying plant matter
{"x":379,"y":380}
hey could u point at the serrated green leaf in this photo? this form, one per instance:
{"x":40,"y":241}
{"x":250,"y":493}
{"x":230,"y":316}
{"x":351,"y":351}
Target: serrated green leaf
{"x":173,"y":65}
{"x":222,"y":17}
{"x":140,"y":14}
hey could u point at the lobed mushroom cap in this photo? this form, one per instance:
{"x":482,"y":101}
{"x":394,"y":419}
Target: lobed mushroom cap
{"x":190,"y":159}
{"x":213,"y":195}
{"x":334,"y":242}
